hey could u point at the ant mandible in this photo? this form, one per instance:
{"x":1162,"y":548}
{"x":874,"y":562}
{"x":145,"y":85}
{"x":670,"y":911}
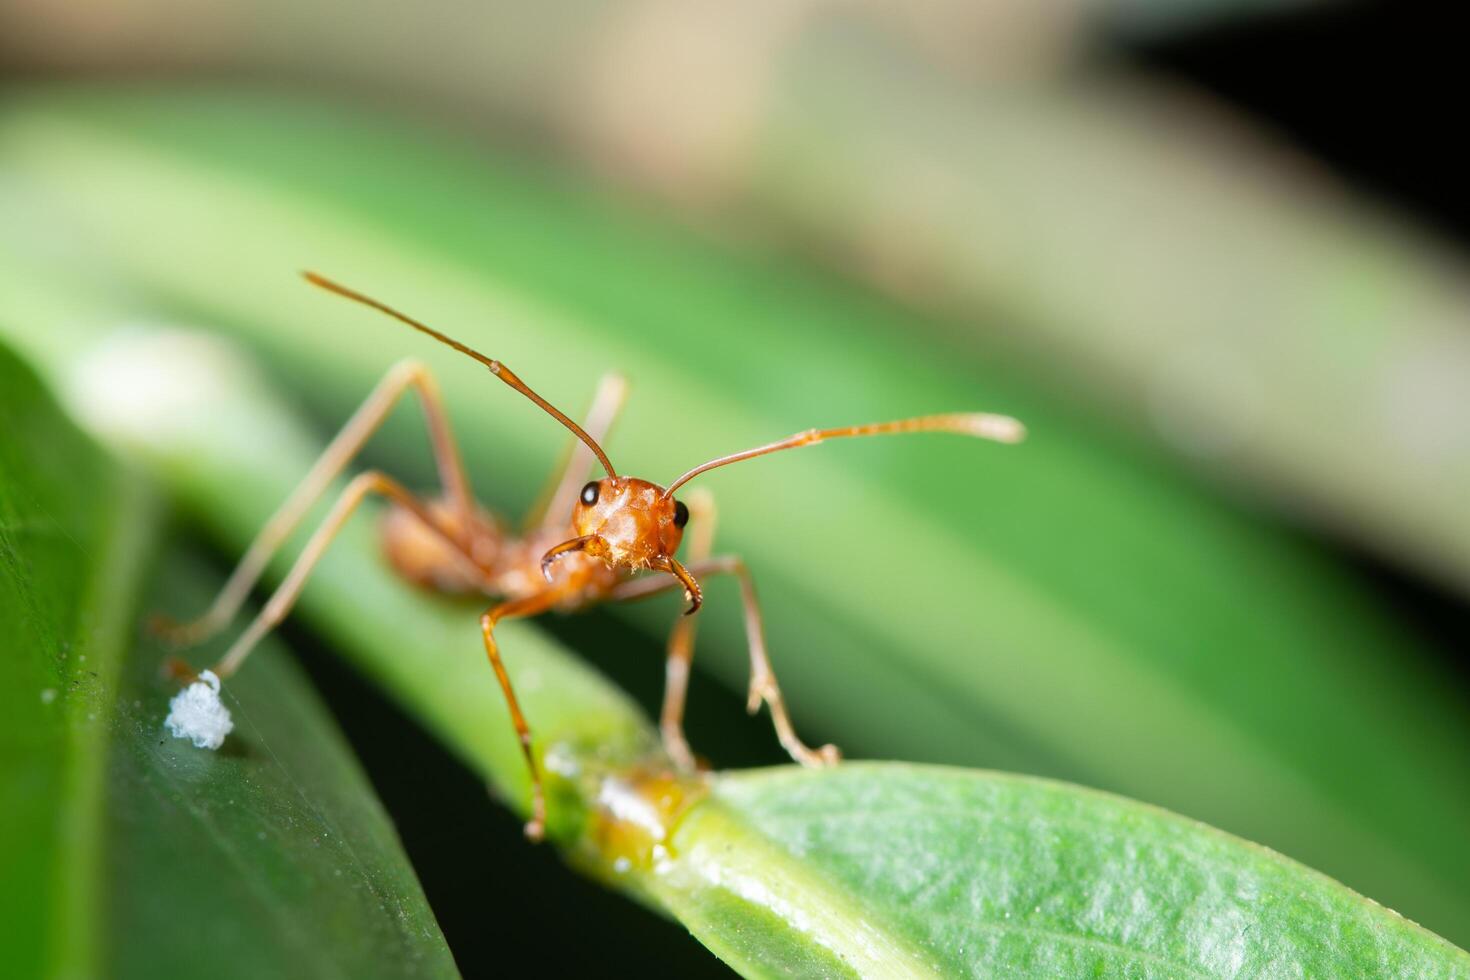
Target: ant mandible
{"x":584,"y":547}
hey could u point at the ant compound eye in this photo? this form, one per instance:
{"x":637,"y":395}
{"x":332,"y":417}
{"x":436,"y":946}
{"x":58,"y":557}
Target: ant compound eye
{"x":589,"y":493}
{"x":681,"y":514}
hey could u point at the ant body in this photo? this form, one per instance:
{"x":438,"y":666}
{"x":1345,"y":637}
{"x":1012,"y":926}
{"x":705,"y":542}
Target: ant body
{"x":584,"y":548}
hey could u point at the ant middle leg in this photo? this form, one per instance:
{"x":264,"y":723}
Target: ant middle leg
{"x":348,"y":442}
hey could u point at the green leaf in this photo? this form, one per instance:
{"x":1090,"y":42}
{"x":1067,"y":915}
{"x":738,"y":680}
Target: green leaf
{"x":74,"y":537}
{"x":128,"y":853}
{"x":987,"y":875}
{"x":1072,"y":607}
{"x":276,"y":835}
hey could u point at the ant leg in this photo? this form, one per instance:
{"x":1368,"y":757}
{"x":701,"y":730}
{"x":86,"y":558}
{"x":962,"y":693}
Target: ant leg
{"x":555,"y":502}
{"x":285,"y":596}
{"x":681,"y":640}
{"x":676,"y":667}
{"x":676,"y":688}
{"x":763,"y":685}
{"x":364,"y":422}
{"x":529,"y":606}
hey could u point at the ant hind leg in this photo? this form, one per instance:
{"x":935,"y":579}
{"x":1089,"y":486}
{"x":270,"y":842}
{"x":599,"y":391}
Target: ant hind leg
{"x":348,"y":442}
{"x":281,"y":601}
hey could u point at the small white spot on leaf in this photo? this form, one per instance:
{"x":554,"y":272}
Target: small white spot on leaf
{"x":196,"y":713}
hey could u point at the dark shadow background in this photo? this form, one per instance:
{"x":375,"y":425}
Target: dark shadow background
{"x":1374,"y":90}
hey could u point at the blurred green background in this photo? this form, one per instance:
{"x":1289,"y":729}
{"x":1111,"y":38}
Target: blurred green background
{"x":1226,"y":293}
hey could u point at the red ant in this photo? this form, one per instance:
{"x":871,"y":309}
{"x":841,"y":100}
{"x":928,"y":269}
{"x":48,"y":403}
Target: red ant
{"x":583,"y":548}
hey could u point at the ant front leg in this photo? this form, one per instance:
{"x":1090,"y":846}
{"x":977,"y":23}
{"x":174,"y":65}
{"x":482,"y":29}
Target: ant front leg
{"x":529,"y":606}
{"x":681,"y":640}
{"x":364,"y":422}
{"x":763,"y":684}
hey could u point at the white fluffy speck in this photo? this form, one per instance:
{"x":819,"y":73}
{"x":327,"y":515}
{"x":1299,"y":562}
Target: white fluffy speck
{"x":196,"y":713}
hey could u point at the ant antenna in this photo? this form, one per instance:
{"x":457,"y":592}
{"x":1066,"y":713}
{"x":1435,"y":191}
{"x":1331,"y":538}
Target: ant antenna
{"x":1000,"y":428}
{"x":496,"y":368}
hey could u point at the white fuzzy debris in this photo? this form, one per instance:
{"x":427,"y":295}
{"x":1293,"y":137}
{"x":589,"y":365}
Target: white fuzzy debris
{"x":196,"y":713}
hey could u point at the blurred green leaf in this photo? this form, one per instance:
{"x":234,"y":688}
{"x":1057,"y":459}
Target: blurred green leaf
{"x":1199,"y":278}
{"x":1072,"y":607}
{"x":128,"y":853}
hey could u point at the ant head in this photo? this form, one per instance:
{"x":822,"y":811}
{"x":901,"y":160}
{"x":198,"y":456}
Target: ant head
{"x":629,"y":522}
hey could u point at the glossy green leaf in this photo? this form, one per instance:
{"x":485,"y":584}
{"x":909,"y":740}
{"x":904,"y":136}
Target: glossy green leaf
{"x":986,"y":875}
{"x":1072,"y":607}
{"x":75,"y":533}
{"x":128,"y":853}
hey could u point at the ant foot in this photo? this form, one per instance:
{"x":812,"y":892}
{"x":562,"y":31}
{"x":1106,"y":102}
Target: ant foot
{"x":175,"y":669}
{"x":762,"y":688}
{"x":827,"y":755}
{"x":676,"y":747}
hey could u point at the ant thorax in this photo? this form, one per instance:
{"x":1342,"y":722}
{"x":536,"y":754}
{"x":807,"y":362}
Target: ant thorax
{"x":630,"y":522}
